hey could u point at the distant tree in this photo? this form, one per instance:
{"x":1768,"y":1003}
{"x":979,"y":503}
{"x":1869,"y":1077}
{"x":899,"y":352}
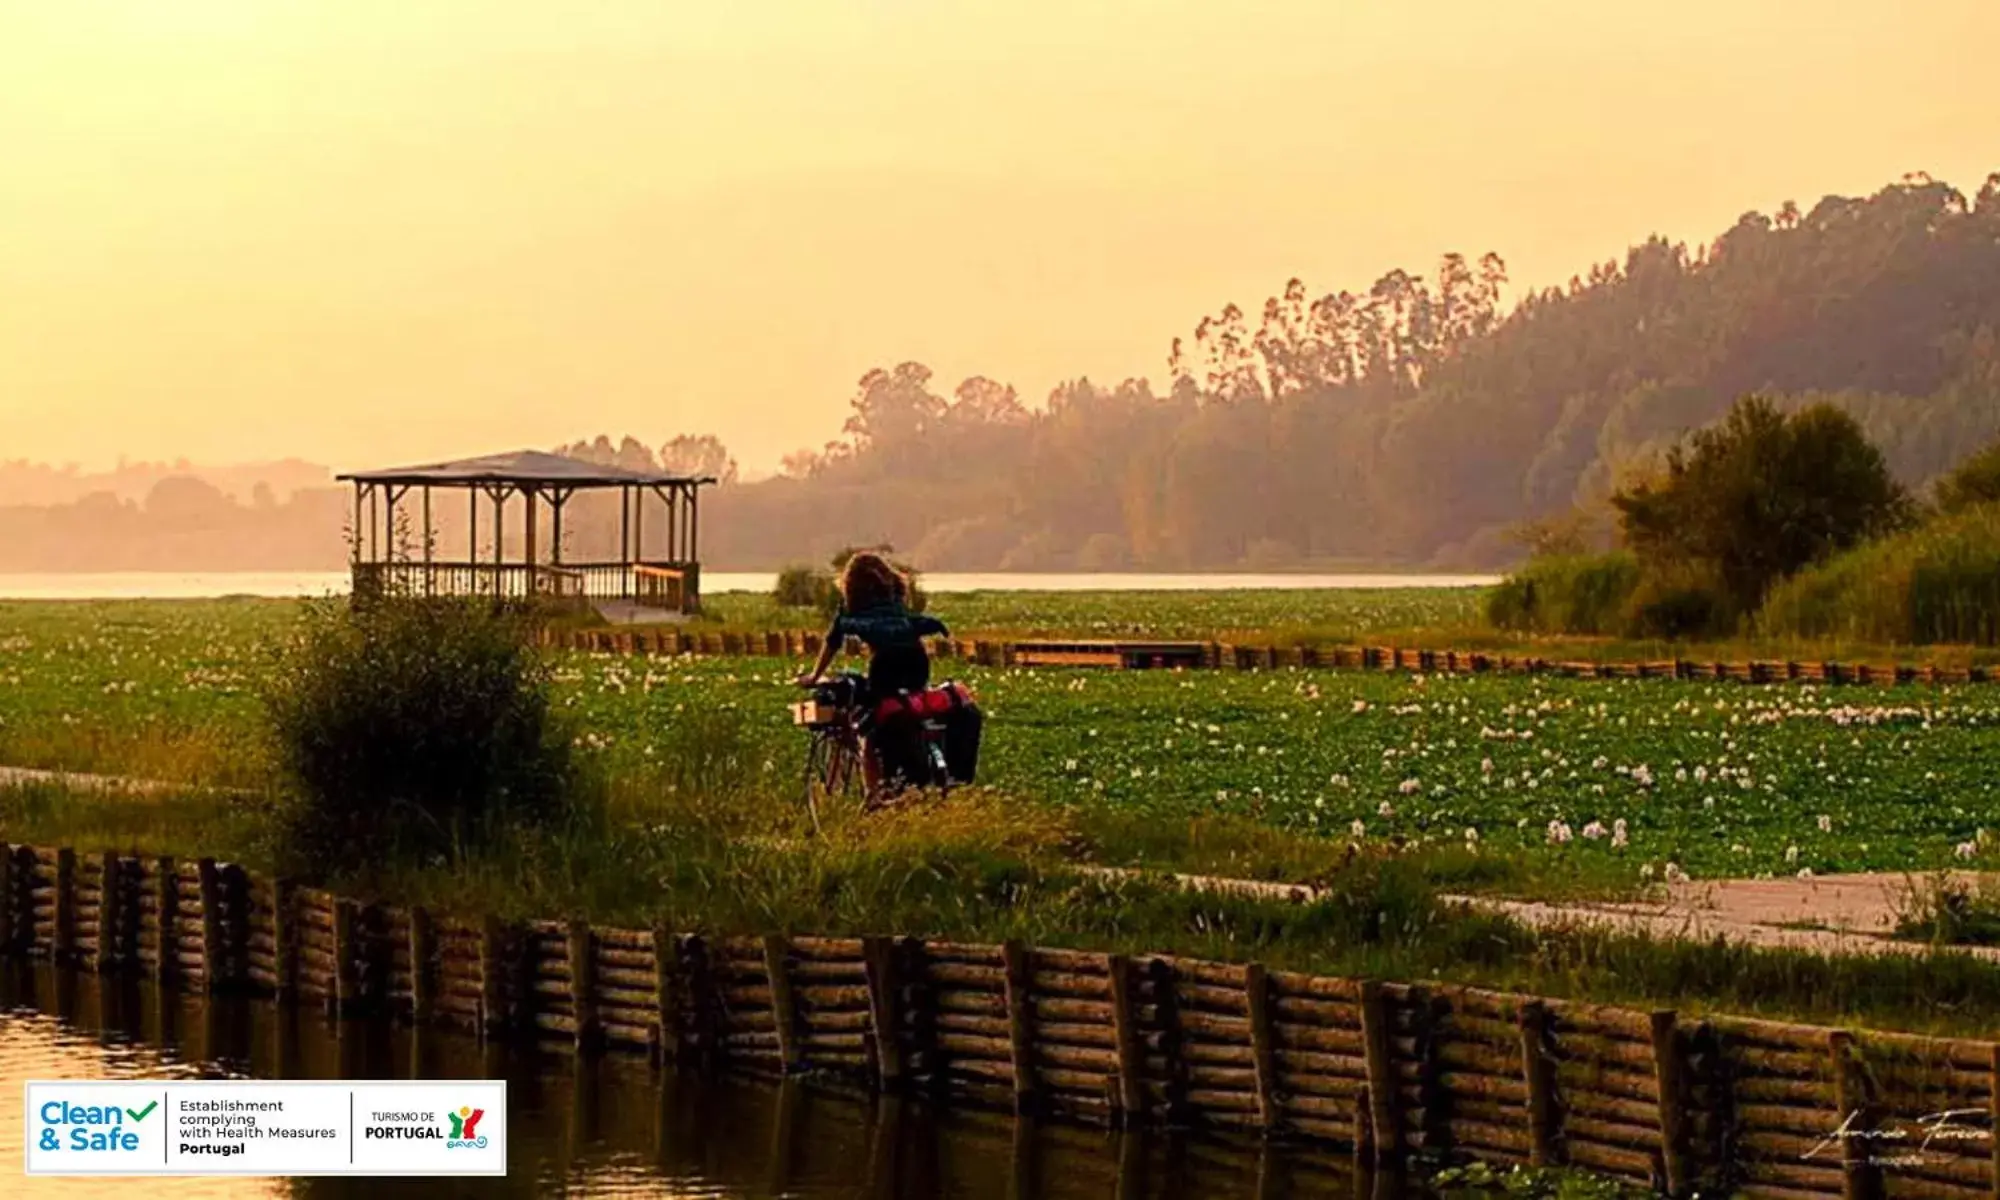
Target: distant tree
{"x":698,"y":455}
{"x":1761,"y":495}
{"x":893,"y":409}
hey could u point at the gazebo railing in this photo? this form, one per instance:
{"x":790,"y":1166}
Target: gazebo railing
{"x":658,"y":585}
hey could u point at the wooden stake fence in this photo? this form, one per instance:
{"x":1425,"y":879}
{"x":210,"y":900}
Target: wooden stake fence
{"x":1386,"y":1070}
{"x":1228,"y":656}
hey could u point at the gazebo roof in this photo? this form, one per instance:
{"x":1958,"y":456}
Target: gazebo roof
{"x":528,"y":467}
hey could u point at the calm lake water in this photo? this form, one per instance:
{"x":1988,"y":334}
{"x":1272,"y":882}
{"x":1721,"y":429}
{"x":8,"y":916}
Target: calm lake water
{"x":609,"y":1128}
{"x":167,"y":585}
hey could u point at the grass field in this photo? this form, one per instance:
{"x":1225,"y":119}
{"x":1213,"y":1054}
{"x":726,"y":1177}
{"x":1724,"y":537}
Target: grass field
{"x":1594,"y":783}
{"x":1368,"y":781}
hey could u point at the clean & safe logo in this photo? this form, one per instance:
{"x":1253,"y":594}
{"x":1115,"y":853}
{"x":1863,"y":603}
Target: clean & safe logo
{"x":69,"y":1126}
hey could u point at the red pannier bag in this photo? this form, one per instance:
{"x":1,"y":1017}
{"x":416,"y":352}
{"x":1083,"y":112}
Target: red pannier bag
{"x":952,"y":706}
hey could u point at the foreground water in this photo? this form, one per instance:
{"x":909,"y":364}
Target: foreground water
{"x":169,"y":585}
{"x":608,"y":1128}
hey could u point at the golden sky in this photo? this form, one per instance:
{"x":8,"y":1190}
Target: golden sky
{"x":371,"y":231}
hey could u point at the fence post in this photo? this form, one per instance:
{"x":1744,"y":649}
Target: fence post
{"x":878,"y":961}
{"x":492,"y":997}
{"x":1993,"y":1116}
{"x":211,"y":925}
{"x":666,"y":999}
{"x":1257,"y":991}
{"x":62,"y":940}
{"x":422,"y":941}
{"x":582,"y":946}
{"x":701,"y":995}
{"x":1388,"y":1134}
{"x":784,"y":1012}
{"x":110,"y":902}
{"x":342,"y":995}
{"x":1670,"y":1074}
{"x":8,"y":898}
{"x":1861,"y":1178}
{"x":1020,"y":1024}
{"x":284,"y":953}
{"x":167,"y":907}
{"x":1536,"y":1072}
{"x":1125,"y":1035}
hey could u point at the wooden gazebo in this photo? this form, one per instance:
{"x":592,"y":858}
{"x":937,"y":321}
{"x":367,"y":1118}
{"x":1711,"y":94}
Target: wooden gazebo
{"x":663,"y":573}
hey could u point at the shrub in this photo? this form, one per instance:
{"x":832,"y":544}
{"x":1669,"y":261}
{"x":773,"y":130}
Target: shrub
{"x":1570,"y":593}
{"x":411,"y":728}
{"x":1678,"y":601}
{"x":1939,"y":582}
{"x":1762,"y":495}
{"x":1972,"y":482}
{"x":802,"y":585}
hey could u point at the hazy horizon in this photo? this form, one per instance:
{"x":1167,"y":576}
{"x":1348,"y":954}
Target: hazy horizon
{"x":363,"y":233}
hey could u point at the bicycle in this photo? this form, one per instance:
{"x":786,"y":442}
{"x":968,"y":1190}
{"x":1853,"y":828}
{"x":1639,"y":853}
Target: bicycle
{"x":835,"y":720}
{"x":832,"y":721}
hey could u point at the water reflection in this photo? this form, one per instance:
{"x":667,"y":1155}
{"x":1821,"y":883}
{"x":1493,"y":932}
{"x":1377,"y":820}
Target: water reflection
{"x":611,"y":1127}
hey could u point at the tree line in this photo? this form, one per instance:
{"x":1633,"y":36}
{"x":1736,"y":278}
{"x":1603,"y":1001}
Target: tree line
{"x":1415,"y":422}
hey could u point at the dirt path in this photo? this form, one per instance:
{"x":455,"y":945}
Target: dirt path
{"x":28,"y":776}
{"x":1834,"y":914}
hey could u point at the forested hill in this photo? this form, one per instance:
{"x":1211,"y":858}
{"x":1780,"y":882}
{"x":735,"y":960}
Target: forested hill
{"x":1414,"y":422}
{"x":1411,"y":422}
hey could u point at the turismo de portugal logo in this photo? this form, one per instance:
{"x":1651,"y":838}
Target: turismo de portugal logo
{"x":464,"y":1123}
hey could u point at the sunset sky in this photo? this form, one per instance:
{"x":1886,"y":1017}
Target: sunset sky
{"x":372,"y":231}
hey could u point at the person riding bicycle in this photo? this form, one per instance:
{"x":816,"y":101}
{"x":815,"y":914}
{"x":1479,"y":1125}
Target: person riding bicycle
{"x":874,"y":609}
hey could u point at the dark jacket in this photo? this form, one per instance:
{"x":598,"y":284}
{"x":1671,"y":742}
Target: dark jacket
{"x":894,"y":636}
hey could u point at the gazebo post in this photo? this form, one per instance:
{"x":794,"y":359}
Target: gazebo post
{"x":557,"y":499}
{"x":354,"y":530}
{"x":674,"y":523}
{"x":638,"y":525}
{"x":429,"y":540}
{"x":472,"y":539}
{"x":528,"y":523}
{"x":624,"y":523}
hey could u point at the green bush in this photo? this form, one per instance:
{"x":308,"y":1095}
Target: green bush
{"x":802,"y":586}
{"x":1761,"y":495}
{"x":1567,"y":593}
{"x":1939,"y":582}
{"x":1676,"y":601}
{"x":1972,"y":482}
{"x":409,"y":730}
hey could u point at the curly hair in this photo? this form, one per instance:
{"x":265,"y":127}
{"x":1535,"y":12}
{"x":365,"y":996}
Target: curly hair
{"x":869,"y":580}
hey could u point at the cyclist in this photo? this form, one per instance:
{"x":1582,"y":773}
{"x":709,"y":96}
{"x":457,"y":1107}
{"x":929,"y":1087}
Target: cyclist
{"x":874,"y":609}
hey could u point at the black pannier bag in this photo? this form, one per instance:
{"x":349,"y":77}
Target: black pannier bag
{"x":962,"y":726}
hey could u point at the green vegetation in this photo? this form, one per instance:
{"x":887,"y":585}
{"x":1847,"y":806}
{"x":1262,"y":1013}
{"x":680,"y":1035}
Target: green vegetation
{"x":630,"y":791}
{"x":412,"y":730}
{"x":1737,"y":508}
{"x":1973,"y":482}
{"x":1948,"y":910}
{"x":1754,"y":498}
{"x":1939,"y":582}
{"x":982,"y":867}
{"x":1716,"y":779}
{"x":1567,"y":593}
